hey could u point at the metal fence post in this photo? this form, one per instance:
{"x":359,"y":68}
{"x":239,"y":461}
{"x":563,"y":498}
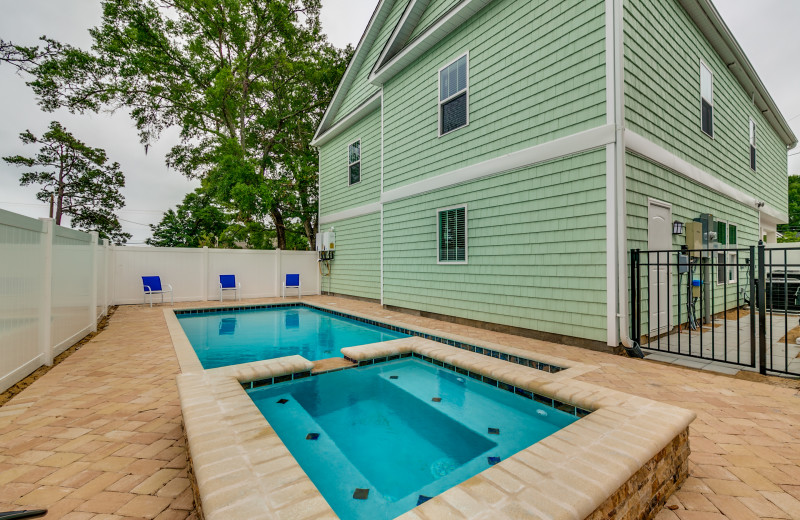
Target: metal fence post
{"x":762,"y":311}
{"x":636,"y":308}
{"x":753,"y":306}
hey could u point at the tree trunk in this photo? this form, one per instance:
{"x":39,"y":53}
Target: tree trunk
{"x":280,"y":227}
{"x":59,"y":203}
{"x":311,"y":233}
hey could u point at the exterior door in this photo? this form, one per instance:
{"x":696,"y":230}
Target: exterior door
{"x":659,"y":238}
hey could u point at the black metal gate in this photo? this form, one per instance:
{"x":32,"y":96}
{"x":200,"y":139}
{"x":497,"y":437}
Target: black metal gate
{"x":731,"y":305}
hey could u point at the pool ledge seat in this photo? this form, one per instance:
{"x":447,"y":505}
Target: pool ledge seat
{"x":266,"y":369}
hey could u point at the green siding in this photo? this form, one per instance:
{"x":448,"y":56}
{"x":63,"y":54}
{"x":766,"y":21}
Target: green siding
{"x":536,"y":250}
{"x":536,"y":73}
{"x":663,"y":50}
{"x":361,"y":89}
{"x":356,"y":269}
{"x":335,"y":191}
{"x":646,"y":179}
{"x":432,"y":13}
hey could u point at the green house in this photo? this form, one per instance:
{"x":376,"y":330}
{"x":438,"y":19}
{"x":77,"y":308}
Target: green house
{"x":493,"y":162}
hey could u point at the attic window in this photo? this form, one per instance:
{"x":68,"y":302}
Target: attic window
{"x":753,"y":145}
{"x":452,"y":233}
{"x":706,"y":100}
{"x":453,"y":96}
{"x":354,"y":162}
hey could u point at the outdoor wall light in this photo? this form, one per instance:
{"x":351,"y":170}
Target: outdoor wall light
{"x":677,"y":227}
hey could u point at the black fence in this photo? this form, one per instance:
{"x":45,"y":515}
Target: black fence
{"x":739,"y":306}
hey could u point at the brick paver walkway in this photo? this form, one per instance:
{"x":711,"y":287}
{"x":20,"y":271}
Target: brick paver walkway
{"x":99,"y":436}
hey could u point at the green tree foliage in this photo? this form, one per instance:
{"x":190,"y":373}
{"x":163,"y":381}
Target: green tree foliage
{"x":791,"y":230}
{"x":76,"y":180}
{"x":246,"y":81}
{"x":200,"y":221}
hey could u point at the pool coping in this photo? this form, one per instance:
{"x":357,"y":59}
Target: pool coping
{"x":189,"y":362}
{"x":243,"y":470}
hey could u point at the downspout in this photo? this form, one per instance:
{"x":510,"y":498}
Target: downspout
{"x":631,"y":346}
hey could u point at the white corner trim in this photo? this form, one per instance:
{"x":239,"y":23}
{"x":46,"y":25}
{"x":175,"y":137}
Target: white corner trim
{"x":612,"y":328}
{"x":575,"y":143}
{"x":366,"y":209}
{"x":367,"y":107}
{"x":653,"y":152}
{"x":433,"y":35}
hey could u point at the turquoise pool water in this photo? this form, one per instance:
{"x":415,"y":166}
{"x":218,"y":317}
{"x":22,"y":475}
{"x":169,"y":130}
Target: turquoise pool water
{"x":231,"y":337}
{"x":404,"y":430}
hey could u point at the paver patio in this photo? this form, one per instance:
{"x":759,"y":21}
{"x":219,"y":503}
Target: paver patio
{"x":99,"y":436}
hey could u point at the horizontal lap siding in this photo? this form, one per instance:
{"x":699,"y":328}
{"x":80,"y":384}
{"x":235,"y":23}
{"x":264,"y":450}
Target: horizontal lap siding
{"x":536,"y":248}
{"x":356,"y":267}
{"x":663,"y":50}
{"x":361,"y":89}
{"x":336,"y":193}
{"x":432,"y":13}
{"x":536,"y":73}
{"x":645,"y":179}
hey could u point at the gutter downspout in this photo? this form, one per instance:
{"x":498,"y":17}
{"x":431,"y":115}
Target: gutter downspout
{"x":631,"y":346}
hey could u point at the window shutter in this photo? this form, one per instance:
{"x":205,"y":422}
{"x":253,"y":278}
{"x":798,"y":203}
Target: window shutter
{"x":721,"y":238}
{"x":732,"y":233}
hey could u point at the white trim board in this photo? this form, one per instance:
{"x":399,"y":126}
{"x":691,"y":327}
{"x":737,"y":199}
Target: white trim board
{"x":408,"y":22}
{"x":367,"y":107}
{"x":366,"y":209}
{"x":577,"y":143}
{"x":653,"y":152}
{"x":425,"y":41}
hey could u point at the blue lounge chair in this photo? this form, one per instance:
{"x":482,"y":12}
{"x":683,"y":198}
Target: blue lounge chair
{"x":292,"y":281}
{"x":152,"y":285}
{"x":227,"y":282}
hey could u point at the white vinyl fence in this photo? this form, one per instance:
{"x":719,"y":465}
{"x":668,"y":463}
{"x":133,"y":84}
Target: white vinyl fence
{"x":56,"y":283}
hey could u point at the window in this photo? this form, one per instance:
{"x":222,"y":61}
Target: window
{"x":706,"y":100}
{"x":354,"y":162}
{"x":452,"y":235}
{"x":753,"y":145}
{"x":453,"y":96}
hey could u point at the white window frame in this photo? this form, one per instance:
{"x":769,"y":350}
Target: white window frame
{"x":752,"y":161}
{"x":440,"y":101}
{"x":349,"y":164}
{"x":710,"y":101}
{"x":466,"y":236}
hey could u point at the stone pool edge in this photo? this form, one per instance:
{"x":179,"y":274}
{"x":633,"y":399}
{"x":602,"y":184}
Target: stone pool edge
{"x":586,"y":470}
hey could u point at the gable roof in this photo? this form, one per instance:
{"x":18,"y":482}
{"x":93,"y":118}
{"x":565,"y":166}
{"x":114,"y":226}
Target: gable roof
{"x":378,"y":18}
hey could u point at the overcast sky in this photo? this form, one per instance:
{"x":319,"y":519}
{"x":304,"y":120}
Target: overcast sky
{"x":766,"y":30}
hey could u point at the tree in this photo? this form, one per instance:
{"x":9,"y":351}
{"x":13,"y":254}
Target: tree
{"x":197,"y":219}
{"x":76,"y":180}
{"x":247,"y":82}
{"x":790,"y":230}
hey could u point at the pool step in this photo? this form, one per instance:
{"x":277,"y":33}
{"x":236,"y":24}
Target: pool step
{"x":331,"y":365}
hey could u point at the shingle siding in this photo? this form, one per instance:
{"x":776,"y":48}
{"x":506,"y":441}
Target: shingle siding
{"x":356,"y":269}
{"x":663,"y":50}
{"x":536,"y":248}
{"x":536,"y":73}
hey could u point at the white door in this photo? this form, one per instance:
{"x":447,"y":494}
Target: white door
{"x":659,"y":238}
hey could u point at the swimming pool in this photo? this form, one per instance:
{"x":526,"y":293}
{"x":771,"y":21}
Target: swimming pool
{"x":231,"y":337}
{"x":379,"y":440}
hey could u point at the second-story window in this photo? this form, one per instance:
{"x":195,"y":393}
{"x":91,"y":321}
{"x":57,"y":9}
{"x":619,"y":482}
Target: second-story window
{"x":753,"y":145}
{"x":706,"y":100}
{"x":453,"y":94}
{"x":354,"y":159}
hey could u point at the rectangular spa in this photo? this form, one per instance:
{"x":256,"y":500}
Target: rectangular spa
{"x":231,"y":337}
{"x":377,"y":441}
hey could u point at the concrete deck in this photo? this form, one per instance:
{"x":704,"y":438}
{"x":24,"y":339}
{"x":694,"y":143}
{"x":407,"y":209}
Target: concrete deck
{"x":99,"y":436}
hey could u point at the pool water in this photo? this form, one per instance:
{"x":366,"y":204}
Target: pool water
{"x":405,"y":430}
{"x":232,"y":337}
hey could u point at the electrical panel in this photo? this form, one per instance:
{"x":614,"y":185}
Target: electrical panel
{"x":683,"y":264}
{"x":694,"y":235}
